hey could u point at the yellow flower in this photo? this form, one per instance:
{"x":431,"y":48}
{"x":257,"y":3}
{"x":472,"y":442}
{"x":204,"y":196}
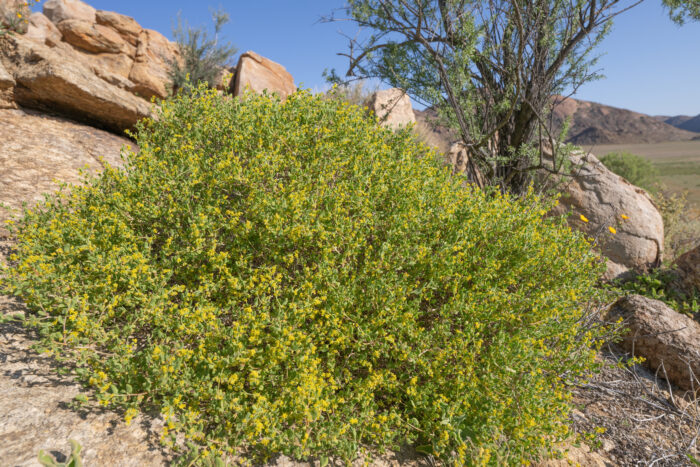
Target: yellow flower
{"x":624,"y":217}
{"x":19,"y":15}
{"x":583,"y":218}
{"x":612,"y":230}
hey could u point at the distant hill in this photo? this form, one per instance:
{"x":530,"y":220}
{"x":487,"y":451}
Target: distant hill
{"x":594,"y":123}
{"x":685,"y":122}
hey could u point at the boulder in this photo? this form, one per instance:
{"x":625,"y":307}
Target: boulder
{"x":688,"y":270}
{"x":53,"y":79}
{"x":668,"y":340}
{"x":42,"y":30}
{"x":603,"y":198}
{"x":259,"y":73}
{"x":61,"y":10}
{"x":151,"y":71}
{"x":39,"y":150}
{"x":392,"y":107}
{"x":126,"y":26}
{"x":9,"y":17}
{"x":459,"y":159}
{"x":93,"y":37}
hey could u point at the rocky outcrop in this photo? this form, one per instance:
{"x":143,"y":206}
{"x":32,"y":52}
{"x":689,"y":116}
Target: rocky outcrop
{"x":688,"y":270}
{"x":258,"y":73}
{"x":150,"y":72}
{"x":599,"y":199}
{"x":669,"y":341}
{"x":57,"y":80}
{"x":61,"y":10}
{"x":392,"y":107}
{"x":38,"y":150}
{"x":90,"y":65}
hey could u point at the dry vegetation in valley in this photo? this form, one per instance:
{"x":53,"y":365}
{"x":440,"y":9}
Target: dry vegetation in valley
{"x":678,"y":163}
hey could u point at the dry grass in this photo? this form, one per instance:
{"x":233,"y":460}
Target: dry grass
{"x":646,"y":421}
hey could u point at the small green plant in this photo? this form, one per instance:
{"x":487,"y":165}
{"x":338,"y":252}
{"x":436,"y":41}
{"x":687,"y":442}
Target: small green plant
{"x":201,"y":58}
{"x":73,"y":460}
{"x":290,"y":277}
{"x":660,"y":285}
{"x":635,"y":169}
{"x":14,"y":15}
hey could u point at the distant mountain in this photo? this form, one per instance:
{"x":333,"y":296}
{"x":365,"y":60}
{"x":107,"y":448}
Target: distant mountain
{"x":676,"y":121}
{"x":593,"y":123}
{"x":685,"y":123}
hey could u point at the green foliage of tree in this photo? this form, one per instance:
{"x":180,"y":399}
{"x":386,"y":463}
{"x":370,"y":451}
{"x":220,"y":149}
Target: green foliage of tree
{"x":201,"y":58}
{"x":292,"y":277}
{"x":490,"y":67}
{"x":681,"y":11}
{"x":633,"y":168}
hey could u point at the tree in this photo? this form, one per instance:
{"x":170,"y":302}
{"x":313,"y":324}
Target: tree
{"x":490,"y":67}
{"x":201,"y":58}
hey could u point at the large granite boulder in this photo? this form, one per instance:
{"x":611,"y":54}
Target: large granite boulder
{"x":688,"y":270}
{"x":392,"y":107}
{"x":57,"y":80}
{"x":258,"y":73}
{"x":91,"y":65}
{"x":60,"y":10}
{"x":668,"y":340}
{"x":601,"y":199}
{"x":93,"y":37}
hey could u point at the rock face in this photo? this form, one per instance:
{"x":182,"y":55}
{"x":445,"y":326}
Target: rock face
{"x":56,"y":80}
{"x":688,"y":266}
{"x":603,"y":197}
{"x":669,"y":341}
{"x":150,"y":72}
{"x":87,"y":64}
{"x":392,"y":107}
{"x":259,"y":73}
{"x":37,"y":150}
{"x":42,"y":30}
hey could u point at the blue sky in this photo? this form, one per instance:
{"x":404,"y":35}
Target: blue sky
{"x":652,"y":65}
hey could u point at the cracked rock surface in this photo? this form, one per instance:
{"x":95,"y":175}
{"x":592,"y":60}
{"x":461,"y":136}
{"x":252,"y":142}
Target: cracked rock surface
{"x":38,"y":151}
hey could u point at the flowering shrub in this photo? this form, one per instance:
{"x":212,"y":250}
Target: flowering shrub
{"x":292,"y":277}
